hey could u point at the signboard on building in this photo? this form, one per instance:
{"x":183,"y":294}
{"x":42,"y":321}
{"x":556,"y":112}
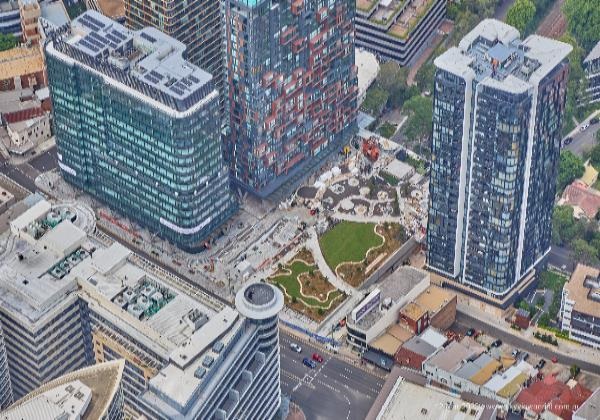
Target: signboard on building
{"x":367,"y":305}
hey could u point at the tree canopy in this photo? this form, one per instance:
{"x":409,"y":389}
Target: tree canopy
{"x":583,"y":20}
{"x":570,"y":168}
{"x":418,"y":125}
{"x":7,"y":42}
{"x":520,"y":14}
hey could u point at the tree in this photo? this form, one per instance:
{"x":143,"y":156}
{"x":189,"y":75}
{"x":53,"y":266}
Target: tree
{"x":574,"y":369}
{"x":576,"y":85}
{"x":425,"y":77}
{"x":521,"y":14}
{"x":418,"y":125}
{"x":564,"y":226}
{"x":571,"y":167}
{"x":7,"y":42}
{"x":583,"y":20}
{"x":584,"y":252}
{"x":375,"y":100}
{"x":595,"y":155}
{"x":392,"y":79}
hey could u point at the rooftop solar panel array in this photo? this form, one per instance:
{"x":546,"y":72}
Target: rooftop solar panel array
{"x":170,"y":79}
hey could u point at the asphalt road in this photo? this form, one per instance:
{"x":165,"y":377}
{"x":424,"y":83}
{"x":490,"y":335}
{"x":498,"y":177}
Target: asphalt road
{"x":24,"y":174}
{"x":560,"y":257}
{"x":46,"y":161}
{"x":466,"y":321}
{"x":583,"y":140}
{"x":333,"y":390}
{"x":502,"y":9}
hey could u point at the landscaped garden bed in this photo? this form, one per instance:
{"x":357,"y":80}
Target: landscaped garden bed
{"x":305,"y":288}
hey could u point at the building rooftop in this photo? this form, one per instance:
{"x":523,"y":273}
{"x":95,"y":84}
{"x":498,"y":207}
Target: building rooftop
{"x":554,"y":396}
{"x":590,"y":409}
{"x":112,"y":8}
{"x":394,"y":288}
{"x":146,"y":63}
{"x":584,"y":200}
{"x":584,"y":289}
{"x":452,"y":357}
{"x":594,"y":53}
{"x":434,"y":298}
{"x":419,"y":346}
{"x":417,"y":402}
{"x":480,"y":370}
{"x":493,"y":54}
{"x":86,"y":394}
{"x":28,"y":282}
{"x":9,"y":5}
{"x":390,"y":341}
{"x":55,"y":12}
{"x":20,"y":61}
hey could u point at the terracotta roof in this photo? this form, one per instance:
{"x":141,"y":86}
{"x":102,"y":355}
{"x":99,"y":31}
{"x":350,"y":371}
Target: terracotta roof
{"x":554,"y":395}
{"x":23,"y":115}
{"x":20,"y":61}
{"x":580,"y":195}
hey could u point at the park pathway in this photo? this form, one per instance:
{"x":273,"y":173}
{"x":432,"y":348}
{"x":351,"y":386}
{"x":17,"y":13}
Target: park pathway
{"x":313,"y":245}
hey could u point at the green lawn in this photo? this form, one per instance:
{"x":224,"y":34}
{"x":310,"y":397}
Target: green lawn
{"x":291,"y":284}
{"x":348,"y":241}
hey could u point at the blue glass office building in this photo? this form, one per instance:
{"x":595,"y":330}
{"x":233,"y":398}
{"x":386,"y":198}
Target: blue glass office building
{"x":137,"y":127}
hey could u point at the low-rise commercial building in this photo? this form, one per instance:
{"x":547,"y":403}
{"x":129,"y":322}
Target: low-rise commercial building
{"x":580,"y":306}
{"x":88,"y":394}
{"x":416,"y":350}
{"x":465,"y":367}
{"x":381,"y":307}
{"x":435,"y":307}
{"x":397,"y":29}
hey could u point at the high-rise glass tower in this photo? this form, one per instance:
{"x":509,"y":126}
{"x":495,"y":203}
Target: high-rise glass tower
{"x":291,"y":86}
{"x":6,"y":396}
{"x":138,"y":127}
{"x":498,"y":106}
{"x":196,"y":23}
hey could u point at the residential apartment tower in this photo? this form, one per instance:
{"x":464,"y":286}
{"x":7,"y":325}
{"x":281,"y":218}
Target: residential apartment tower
{"x":498,"y":106}
{"x":291,"y":86}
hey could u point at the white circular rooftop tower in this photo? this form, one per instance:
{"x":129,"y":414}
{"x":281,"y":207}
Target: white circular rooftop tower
{"x":259,"y":301}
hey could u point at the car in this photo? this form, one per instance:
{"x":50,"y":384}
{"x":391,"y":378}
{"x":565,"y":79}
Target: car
{"x":555,"y":359}
{"x":567,"y":141}
{"x":584,"y":127}
{"x":497,"y":343}
{"x":525,"y":356}
{"x":295,"y":347}
{"x":594,"y":120}
{"x":470,"y":332}
{"x":309,"y":363}
{"x":317,"y":357}
{"x":515,"y":353}
{"x":541,"y":364}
